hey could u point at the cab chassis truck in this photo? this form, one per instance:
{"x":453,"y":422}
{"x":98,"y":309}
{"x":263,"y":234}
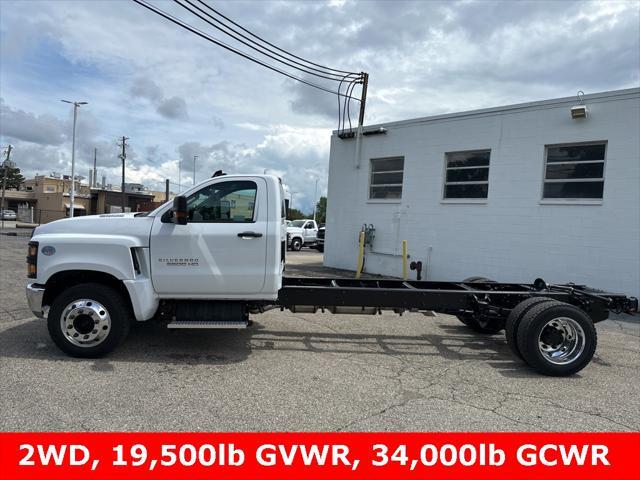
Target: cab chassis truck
{"x":216,"y":254}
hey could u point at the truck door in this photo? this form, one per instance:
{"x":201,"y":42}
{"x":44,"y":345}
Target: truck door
{"x":310,"y":232}
{"x":221,"y":251}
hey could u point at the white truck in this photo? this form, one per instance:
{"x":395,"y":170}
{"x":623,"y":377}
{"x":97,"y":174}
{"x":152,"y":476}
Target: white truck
{"x":216,"y":255}
{"x":302,"y":233}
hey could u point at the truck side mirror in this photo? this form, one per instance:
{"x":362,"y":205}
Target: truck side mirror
{"x":180,"y":212}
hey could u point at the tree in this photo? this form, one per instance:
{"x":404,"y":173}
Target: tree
{"x":295,"y":214}
{"x":321,"y":210}
{"x":14,"y":178}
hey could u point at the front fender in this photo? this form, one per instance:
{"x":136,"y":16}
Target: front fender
{"x":109,"y":254}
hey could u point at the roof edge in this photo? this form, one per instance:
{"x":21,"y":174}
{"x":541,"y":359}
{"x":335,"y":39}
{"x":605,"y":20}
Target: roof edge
{"x":608,"y":95}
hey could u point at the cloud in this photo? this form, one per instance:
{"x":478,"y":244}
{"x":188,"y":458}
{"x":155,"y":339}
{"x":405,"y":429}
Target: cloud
{"x":217,"y":122}
{"x":177,"y":95}
{"x":311,"y":101}
{"x":42,"y":129}
{"x":173,"y":108}
{"x":148,"y":89}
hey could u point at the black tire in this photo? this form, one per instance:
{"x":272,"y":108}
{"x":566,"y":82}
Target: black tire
{"x":488,"y":327}
{"x":296,"y":244}
{"x":529,"y":337}
{"x":514,"y":319}
{"x":320,"y":248}
{"x":116,"y":309}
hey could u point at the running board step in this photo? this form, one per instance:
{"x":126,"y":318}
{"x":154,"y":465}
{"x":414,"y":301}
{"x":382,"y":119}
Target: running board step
{"x":201,"y":324}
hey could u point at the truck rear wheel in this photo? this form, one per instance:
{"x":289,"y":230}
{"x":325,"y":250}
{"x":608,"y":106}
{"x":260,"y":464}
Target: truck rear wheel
{"x":514,"y":319}
{"x":556,"y":338}
{"x":296,"y":244}
{"x":88,"y":320}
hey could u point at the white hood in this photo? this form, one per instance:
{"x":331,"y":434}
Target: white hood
{"x":114,"y":224}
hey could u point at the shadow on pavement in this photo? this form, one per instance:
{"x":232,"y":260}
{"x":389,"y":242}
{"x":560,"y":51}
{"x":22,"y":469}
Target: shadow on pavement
{"x":154,"y":343}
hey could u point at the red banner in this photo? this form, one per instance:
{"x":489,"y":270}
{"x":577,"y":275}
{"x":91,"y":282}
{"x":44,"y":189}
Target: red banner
{"x":326,"y":456}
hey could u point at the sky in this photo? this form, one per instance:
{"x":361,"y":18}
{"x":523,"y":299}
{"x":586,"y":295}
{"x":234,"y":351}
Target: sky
{"x":176,"y":95}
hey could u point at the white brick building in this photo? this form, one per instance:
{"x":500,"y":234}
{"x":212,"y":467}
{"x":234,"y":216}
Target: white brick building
{"x":510,"y":193}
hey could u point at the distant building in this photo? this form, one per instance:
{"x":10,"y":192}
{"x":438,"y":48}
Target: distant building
{"x":50,"y":198}
{"x":52,"y":195}
{"x":510,"y":193}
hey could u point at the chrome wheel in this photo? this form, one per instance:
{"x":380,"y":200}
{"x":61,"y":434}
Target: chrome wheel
{"x":85,"y":323}
{"x":561,"y":340}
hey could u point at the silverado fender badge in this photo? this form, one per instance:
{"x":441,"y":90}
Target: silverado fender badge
{"x":179,"y":262}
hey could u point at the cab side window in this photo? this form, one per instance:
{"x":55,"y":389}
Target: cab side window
{"x":223,"y":202}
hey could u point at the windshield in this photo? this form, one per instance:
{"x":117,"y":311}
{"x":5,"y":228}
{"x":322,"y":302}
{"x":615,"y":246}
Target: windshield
{"x":297,"y":223}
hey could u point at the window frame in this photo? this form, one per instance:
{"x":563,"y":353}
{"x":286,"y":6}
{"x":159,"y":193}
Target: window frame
{"x":573,"y":201}
{"x":370,"y":179}
{"x":214,"y":185}
{"x":470,"y":200}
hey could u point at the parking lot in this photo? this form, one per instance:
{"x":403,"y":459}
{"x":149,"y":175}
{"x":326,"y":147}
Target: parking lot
{"x":304,"y":372}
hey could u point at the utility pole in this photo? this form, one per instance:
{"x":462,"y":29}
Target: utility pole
{"x":166,"y":190}
{"x":194,"y":168}
{"x":6,"y":165}
{"x":123,"y":156}
{"x":363,"y":98}
{"x":72,"y":194}
{"x":179,"y":175}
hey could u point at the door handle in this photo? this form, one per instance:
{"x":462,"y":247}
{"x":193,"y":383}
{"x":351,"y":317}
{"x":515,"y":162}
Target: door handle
{"x":247,"y":235}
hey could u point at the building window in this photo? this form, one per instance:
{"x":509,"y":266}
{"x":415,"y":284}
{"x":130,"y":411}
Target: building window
{"x":467,"y":175}
{"x":386,"y":178}
{"x":574,"y":172}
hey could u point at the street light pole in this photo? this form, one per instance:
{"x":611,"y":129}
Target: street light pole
{"x":194,"y":168}
{"x":72,"y":194}
{"x":315,"y":201}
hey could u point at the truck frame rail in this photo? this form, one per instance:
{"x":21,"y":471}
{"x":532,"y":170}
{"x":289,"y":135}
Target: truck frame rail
{"x":485,"y":298}
{"x":550,"y":327}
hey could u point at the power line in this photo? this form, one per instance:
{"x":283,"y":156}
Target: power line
{"x":220,"y":43}
{"x":347,"y":104}
{"x":345,"y":109}
{"x":264,"y":51}
{"x":268,"y":43}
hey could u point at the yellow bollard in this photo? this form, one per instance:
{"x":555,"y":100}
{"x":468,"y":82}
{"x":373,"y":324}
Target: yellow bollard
{"x":360,"y":255}
{"x":405,"y":275}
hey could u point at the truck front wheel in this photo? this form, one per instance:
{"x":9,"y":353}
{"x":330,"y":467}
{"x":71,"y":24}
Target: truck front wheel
{"x":296,"y":244}
{"x":88,"y":320}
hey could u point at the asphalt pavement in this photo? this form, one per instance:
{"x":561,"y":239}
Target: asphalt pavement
{"x":298,"y":372}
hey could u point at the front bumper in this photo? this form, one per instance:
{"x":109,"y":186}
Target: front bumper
{"x":35,"y":293}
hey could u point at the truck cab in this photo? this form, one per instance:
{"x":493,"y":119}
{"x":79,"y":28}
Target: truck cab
{"x":215,"y":250}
